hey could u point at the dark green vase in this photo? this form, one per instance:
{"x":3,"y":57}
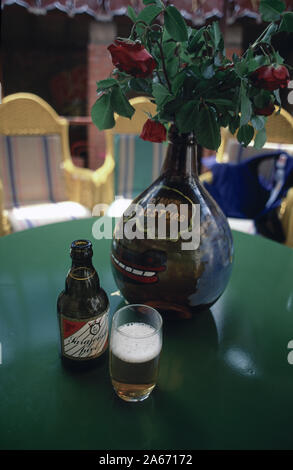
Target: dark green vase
{"x":159,"y":272}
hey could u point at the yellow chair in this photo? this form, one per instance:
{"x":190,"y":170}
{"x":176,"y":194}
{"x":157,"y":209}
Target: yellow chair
{"x":36,"y":168}
{"x":137,"y":162}
{"x":123,"y":125}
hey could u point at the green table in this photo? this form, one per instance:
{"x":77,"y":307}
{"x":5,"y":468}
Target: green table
{"x":225,"y":380}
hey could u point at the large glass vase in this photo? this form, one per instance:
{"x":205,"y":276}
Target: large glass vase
{"x":156,"y":266}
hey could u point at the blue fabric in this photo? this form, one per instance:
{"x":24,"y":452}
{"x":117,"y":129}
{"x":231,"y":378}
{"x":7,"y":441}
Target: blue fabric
{"x":241,"y":192}
{"x":29,"y":223}
{"x":137,"y":164}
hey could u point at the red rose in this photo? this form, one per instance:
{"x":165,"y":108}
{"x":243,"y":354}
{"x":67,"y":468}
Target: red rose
{"x":153,"y":131}
{"x":266,"y":111}
{"x":132,"y":58}
{"x":270,"y":78}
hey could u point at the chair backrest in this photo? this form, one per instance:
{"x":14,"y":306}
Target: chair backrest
{"x":137,"y":162}
{"x":279,"y":129}
{"x":34,"y":144}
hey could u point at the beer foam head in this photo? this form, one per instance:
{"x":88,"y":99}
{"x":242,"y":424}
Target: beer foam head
{"x":135,"y":342}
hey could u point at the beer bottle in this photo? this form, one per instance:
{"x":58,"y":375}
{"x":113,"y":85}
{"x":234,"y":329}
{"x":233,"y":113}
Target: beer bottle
{"x":82,"y":308}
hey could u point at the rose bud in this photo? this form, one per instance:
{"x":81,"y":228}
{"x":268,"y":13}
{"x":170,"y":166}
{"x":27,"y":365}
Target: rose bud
{"x":132,"y":58}
{"x":266,"y":111}
{"x":270,"y":78}
{"x":153,"y":131}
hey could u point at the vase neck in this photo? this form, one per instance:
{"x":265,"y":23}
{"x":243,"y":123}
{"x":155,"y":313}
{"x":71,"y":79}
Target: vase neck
{"x":181,"y":157}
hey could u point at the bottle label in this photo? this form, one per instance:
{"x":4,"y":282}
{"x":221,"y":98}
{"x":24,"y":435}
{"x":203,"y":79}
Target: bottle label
{"x":84,"y":339}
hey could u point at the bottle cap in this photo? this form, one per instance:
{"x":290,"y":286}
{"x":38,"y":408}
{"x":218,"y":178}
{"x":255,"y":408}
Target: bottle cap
{"x":81,"y":249}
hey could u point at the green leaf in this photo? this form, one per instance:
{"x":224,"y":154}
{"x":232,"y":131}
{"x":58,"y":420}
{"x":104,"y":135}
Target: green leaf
{"x":261,"y":60}
{"x":287,"y":22}
{"x":260,"y":138}
{"x":195,"y":40}
{"x":245,"y":134}
{"x":258,"y":122}
{"x":121,"y":104}
{"x":190,"y":89}
{"x":149,"y":13}
{"x":216,"y":32}
{"x":150,"y":2}
{"x":131,"y":13}
{"x":161,"y":94}
{"x":166,"y":36}
{"x":277,"y":96}
{"x":253,"y":64}
{"x":102,"y":112}
{"x":107,"y":83}
{"x":271,"y":10}
{"x":172,"y":66}
{"x":207,"y":131}
{"x":170,"y":109}
{"x":140,"y":85}
{"x":158,"y":3}
{"x":245,"y":106}
{"x":234,"y":124}
{"x":277,"y":58}
{"x":169,"y":49}
{"x":175,"y":24}
{"x":262,"y":99}
{"x":187,"y":116}
{"x":178,"y":81}
{"x":224,"y":119}
{"x":220,"y":101}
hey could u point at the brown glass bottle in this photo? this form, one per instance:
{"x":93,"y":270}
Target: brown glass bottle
{"x":158,"y":271}
{"x":82,"y":308}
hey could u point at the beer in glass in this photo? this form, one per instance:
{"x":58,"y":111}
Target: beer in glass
{"x":135,"y":346}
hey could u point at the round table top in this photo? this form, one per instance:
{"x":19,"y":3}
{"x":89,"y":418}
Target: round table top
{"x":226,"y":378}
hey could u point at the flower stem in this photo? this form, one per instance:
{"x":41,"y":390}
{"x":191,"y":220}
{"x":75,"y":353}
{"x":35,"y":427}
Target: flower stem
{"x":133,"y":29}
{"x":164,"y":67}
{"x":159,"y":77}
{"x":260,"y":36}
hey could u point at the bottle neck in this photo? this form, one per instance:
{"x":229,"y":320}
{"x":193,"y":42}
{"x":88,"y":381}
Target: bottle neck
{"x":79,"y":262}
{"x":82,"y":278}
{"x":181,"y":157}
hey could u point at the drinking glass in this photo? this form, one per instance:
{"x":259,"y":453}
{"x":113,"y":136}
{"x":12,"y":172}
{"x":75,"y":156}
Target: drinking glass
{"x":135,"y":346}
